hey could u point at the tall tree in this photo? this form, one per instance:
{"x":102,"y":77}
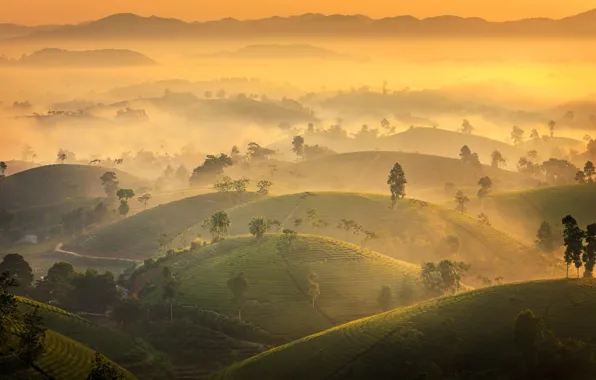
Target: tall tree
{"x":461,"y":201}
{"x":257,"y":227}
{"x":298,"y":146}
{"x":314,"y":290}
{"x":397,"y":184}
{"x":110,"y":184}
{"x":589,"y":256}
{"x":238,"y":285}
{"x":589,"y":171}
{"x":573,"y":240}
{"x":551,"y":128}
{"x":534,"y":135}
{"x":19,"y":270}
{"x":144,"y":199}
{"x":385,"y":298}
{"x":517,"y":135}
{"x":466,"y":127}
{"x":485,"y":184}
{"x":545,"y":239}
{"x":218,"y":225}
{"x":497,"y":159}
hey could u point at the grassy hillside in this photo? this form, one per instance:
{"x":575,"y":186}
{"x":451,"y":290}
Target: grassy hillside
{"x":136,"y":237}
{"x":481,"y":322}
{"x":368,"y":171}
{"x":133,"y":354}
{"x":277,"y":300}
{"x":522,"y":212}
{"x":59,"y":183}
{"x":413,"y":232}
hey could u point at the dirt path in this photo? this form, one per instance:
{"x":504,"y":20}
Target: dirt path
{"x":59,"y":249}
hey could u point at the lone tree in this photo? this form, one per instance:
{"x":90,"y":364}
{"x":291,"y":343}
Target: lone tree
{"x":263,"y":187}
{"x":314,"y":290}
{"x":298,"y":146}
{"x":104,"y":370}
{"x":466,"y":127}
{"x":109,"y":182}
{"x":218,"y":225}
{"x":589,"y":256}
{"x":534,"y":135}
{"x":545,"y":239}
{"x":589,"y":172}
{"x":485,"y":187}
{"x":144,"y":199}
{"x":238,"y":285}
{"x":461,"y":201}
{"x":573,"y":240}
{"x":125,"y":194}
{"x":469,"y":158}
{"x":61,"y":156}
{"x":397,"y":184}
{"x":517,"y":135}
{"x":385,"y":298}
{"x":551,"y":128}
{"x":497,"y":159}
{"x":257,"y":227}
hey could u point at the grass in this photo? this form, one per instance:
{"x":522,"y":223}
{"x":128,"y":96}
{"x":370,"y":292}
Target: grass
{"x":277,"y":300}
{"x":411,"y":232}
{"x":482,"y":319}
{"x":136,"y":237}
{"x":133,"y":354}
{"x":60,"y":183}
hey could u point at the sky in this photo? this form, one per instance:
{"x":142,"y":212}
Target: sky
{"x":35,"y":12}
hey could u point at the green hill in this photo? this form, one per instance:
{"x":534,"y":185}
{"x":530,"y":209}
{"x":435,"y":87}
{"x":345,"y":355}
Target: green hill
{"x":471,"y":331}
{"x":53,"y":184}
{"x":413,"y":232}
{"x":136,"y":237}
{"x":368,"y":171}
{"x":70,"y":331}
{"x":277,"y":301}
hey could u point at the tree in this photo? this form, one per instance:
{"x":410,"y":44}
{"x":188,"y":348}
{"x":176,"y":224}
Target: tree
{"x":210,"y":168}
{"x":164,"y":242}
{"x":545,"y":239}
{"x":218,"y":225}
{"x":466,"y":127}
{"x":589,"y":171}
{"x":124,"y":208}
{"x":240,"y":186}
{"x":3,"y":168}
{"x":257,"y":227}
{"x":19,"y":269}
{"x":314,"y":290}
{"x":483,"y":219}
{"x":580,"y":177}
{"x":444,"y":277}
{"x":104,"y":369}
{"x":169,"y":289}
{"x":368,"y":235}
{"x":573,"y":240}
{"x":8,"y":307}
{"x":144,"y":199}
{"x":551,"y":128}
{"x":263,"y":187}
{"x":469,"y":158}
{"x":497,"y":159}
{"x":298,"y":146}
{"x":385,"y":297}
{"x":56,"y":284}
{"x":461,"y":201}
{"x":238,"y":285}
{"x":92,"y":292}
{"x":534,"y":135}
{"x":485,"y":186}
{"x":517,"y":135}
{"x":560,"y":172}
{"x":589,"y":255}
{"x":224,"y":185}
{"x":125,"y":194}
{"x":347,"y":225}
{"x":255,"y":152}
{"x":397,"y":184}
{"x":109,"y":182}
{"x":62,"y":156}
{"x":32,"y":336}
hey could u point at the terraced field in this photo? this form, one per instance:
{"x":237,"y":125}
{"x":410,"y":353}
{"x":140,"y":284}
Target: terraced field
{"x":350,"y":281}
{"x":136,"y":237}
{"x":133,"y":354}
{"x":414,"y":232}
{"x":482,"y":320}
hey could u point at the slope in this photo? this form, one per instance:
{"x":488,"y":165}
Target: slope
{"x":481,"y":322}
{"x":414,"y":232}
{"x":133,"y":354}
{"x":349,"y":279}
{"x":59,"y":183}
{"x":137,"y":237}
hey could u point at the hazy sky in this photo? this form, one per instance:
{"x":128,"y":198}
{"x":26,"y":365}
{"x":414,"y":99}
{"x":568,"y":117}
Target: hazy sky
{"x":73,"y":11}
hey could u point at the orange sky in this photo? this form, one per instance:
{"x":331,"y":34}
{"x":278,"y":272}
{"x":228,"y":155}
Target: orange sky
{"x":72,"y":11}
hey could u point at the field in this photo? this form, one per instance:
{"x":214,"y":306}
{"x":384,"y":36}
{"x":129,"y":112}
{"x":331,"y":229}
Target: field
{"x":137,"y":237}
{"x":482,"y":320}
{"x":350,"y":281}
{"x":368,"y":171}
{"x":54,"y":184}
{"x":133,"y":354}
{"x":413,"y":232}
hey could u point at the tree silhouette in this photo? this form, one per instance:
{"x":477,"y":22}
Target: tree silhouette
{"x":589,"y":172}
{"x":483,"y":219}
{"x":62,"y":156}
{"x":314,"y":290}
{"x":238,"y":285}
{"x":298,"y":146}
{"x":124,"y":208}
{"x":461,"y":201}
{"x":3,"y":168}
{"x":19,"y":269}
{"x":257,"y":227}
{"x":551,"y":128}
{"x":466,"y":127}
{"x":347,"y":225}
{"x":263,"y":187}
{"x":144,"y":199}
{"x":125,"y":194}
{"x":573,"y":240}
{"x":485,"y":186}
{"x":469,"y":158}
{"x":397,"y":184}
{"x":534,"y":135}
{"x":218,"y":225}
{"x":109,"y":182}
{"x":545,"y":239}
{"x":497,"y":159}
{"x":517,"y":135}
{"x":589,"y":255}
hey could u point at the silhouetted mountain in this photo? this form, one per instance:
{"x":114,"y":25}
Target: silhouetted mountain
{"x":90,"y":58}
{"x":130,"y":26}
{"x":14,"y":30}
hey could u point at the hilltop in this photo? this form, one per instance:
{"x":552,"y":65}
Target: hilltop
{"x":471,"y":331}
{"x":350,"y":281}
{"x":414,"y":232}
{"x":137,"y":237}
{"x":59,"y":183}
{"x":51,"y":57}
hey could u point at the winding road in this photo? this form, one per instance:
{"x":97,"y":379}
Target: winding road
{"x":60,"y":250}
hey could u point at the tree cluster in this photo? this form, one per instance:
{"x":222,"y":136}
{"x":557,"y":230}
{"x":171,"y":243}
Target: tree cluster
{"x":576,"y":252}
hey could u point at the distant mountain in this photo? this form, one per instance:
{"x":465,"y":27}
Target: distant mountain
{"x":130,"y":26}
{"x":280,"y":52}
{"x":89,"y":58}
{"x":14,"y":30}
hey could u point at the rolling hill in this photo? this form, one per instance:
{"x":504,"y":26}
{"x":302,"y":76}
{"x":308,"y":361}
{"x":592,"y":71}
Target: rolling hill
{"x":471,"y":331}
{"x":50,"y":57}
{"x":70,"y":331}
{"x":136,"y":237}
{"x":368,"y":171}
{"x":59,"y":183}
{"x":350,"y":281}
{"x":414,"y":232}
